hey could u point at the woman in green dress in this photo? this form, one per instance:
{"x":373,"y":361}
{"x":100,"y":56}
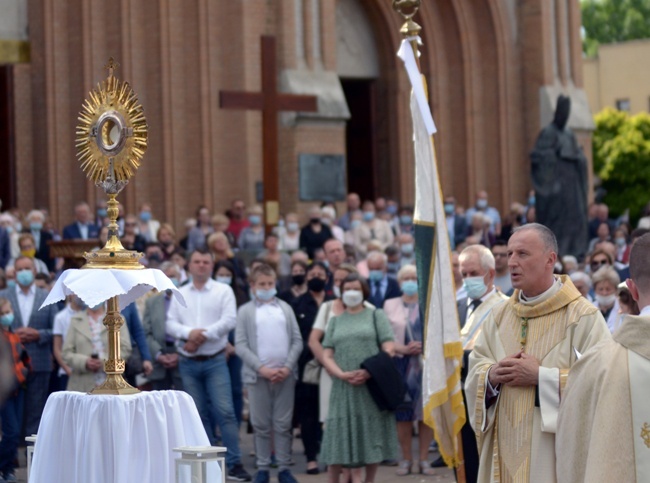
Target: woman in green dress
{"x":357,"y":433}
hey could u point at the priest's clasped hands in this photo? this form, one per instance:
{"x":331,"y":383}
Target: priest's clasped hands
{"x":520,"y":369}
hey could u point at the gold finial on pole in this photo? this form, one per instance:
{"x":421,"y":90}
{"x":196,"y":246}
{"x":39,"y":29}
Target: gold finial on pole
{"x":410,"y":30}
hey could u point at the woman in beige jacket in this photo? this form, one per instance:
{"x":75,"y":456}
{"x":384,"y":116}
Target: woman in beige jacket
{"x":86,"y":347}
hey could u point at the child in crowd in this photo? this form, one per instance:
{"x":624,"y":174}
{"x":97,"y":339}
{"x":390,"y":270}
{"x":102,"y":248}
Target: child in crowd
{"x":269,"y":343}
{"x":11,"y":411}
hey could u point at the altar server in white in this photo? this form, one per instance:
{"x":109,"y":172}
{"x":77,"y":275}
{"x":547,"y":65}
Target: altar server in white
{"x":604,"y":422}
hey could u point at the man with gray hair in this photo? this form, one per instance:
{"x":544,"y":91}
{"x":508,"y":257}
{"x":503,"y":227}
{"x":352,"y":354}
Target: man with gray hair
{"x":521,"y":359}
{"x":382,"y":287}
{"x":35,"y":221}
{"x":477,"y":267}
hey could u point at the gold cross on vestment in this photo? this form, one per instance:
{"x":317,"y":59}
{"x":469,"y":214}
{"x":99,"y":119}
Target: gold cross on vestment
{"x":645,"y":434}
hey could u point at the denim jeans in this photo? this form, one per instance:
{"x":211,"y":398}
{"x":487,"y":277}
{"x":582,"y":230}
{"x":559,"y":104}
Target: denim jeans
{"x":11,"y":414}
{"x":208,"y":382}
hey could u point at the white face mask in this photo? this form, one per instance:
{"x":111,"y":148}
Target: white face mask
{"x":605,"y":300}
{"x":352,"y":298}
{"x":337,"y":291}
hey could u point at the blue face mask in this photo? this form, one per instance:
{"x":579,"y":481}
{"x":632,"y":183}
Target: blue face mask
{"x":36,"y":226}
{"x":293,"y":227}
{"x":25,"y":278}
{"x":145,"y":216}
{"x":226,"y":280}
{"x":409,"y":287}
{"x":255,"y":219}
{"x":102,"y":212}
{"x":176,"y":282}
{"x":265,"y":295}
{"x":407,"y":249}
{"x":481,"y":204}
{"x":375,"y":275}
{"x":355,"y":224}
{"x":368,"y":215}
{"x":11,"y":284}
{"x":393,"y":267}
{"x":391,"y":209}
{"x":531,"y":201}
{"x":7,"y":319}
{"x":475,"y":287}
{"x":449,"y":208}
{"x":406,"y":220}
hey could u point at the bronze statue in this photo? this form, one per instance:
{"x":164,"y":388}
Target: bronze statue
{"x":559,"y":174}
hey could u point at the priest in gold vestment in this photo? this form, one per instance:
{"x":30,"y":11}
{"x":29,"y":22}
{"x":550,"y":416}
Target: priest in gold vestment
{"x":604,"y":423}
{"x":521,"y":360}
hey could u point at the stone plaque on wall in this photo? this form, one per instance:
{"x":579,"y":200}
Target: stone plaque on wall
{"x":322,"y":177}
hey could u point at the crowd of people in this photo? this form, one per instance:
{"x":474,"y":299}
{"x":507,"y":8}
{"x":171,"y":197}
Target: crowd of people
{"x":278,"y":325}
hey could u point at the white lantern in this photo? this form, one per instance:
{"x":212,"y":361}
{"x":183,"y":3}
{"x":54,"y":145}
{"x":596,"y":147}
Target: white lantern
{"x":30,"y":452}
{"x":200,"y":464}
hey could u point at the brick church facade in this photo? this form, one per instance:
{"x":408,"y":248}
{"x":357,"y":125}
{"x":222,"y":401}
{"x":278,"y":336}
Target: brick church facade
{"x":494,"y":69}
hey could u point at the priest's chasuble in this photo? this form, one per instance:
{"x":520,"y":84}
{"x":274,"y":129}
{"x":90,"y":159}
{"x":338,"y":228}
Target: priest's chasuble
{"x":516,"y":430}
{"x":604,"y":422}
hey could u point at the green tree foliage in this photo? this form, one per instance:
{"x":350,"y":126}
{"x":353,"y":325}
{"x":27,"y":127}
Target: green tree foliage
{"x":621,"y":147}
{"x":608,"y":21}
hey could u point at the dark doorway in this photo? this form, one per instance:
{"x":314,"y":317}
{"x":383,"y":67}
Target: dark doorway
{"x":7,"y":146}
{"x":360,"y":137}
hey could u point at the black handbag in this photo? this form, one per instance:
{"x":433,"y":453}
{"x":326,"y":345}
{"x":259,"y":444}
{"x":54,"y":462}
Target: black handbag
{"x":386,"y":385}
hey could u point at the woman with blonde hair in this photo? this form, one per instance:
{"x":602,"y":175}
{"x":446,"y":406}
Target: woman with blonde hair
{"x":166,"y":236}
{"x":404,"y":316}
{"x":219,"y":246}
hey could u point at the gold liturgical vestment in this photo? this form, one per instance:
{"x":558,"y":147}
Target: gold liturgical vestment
{"x":604,"y":423}
{"x":516,"y":434}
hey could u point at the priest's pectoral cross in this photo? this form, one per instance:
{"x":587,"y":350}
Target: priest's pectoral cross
{"x":270,"y":102}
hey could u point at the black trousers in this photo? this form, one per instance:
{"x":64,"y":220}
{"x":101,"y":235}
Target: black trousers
{"x":470,"y":449}
{"x":306,"y":414}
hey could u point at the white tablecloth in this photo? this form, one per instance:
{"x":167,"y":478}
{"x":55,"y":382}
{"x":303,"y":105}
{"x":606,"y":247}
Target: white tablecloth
{"x":110,"y":439}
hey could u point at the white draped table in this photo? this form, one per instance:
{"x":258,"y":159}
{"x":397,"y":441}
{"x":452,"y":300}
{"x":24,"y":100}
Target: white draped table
{"x":109,"y":439}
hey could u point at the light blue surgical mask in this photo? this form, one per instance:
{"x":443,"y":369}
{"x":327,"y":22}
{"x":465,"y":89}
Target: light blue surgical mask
{"x":175,"y":281}
{"x":7,"y":319}
{"x":531,"y":200}
{"x":482,"y":204}
{"x":391,"y":209}
{"x":102,"y":212}
{"x":11,"y":283}
{"x":620,"y":241}
{"x":393,"y":267}
{"x":226,"y":280}
{"x":475,"y":287}
{"x":25,"y":278}
{"x":375,"y":275}
{"x":145,"y":216}
{"x":406,"y":220}
{"x":407,"y":249}
{"x":265,"y":295}
{"x":355,"y":224}
{"x":255,"y":219}
{"x":449,"y":208}
{"x":293,"y":227}
{"x":368,"y":215}
{"x":36,"y":226}
{"x":409,"y":287}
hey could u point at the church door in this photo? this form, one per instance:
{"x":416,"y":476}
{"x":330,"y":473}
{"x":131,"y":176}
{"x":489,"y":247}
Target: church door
{"x":7,"y":143}
{"x":360,"y":137}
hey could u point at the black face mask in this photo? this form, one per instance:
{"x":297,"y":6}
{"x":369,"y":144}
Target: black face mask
{"x":298,"y":279}
{"x":314,"y":221}
{"x":316,"y":285}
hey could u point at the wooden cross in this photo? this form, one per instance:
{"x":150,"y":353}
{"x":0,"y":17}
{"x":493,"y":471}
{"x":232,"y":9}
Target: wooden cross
{"x":270,"y":102}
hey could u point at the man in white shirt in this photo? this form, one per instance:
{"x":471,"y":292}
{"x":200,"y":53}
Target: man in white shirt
{"x":202,"y":331}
